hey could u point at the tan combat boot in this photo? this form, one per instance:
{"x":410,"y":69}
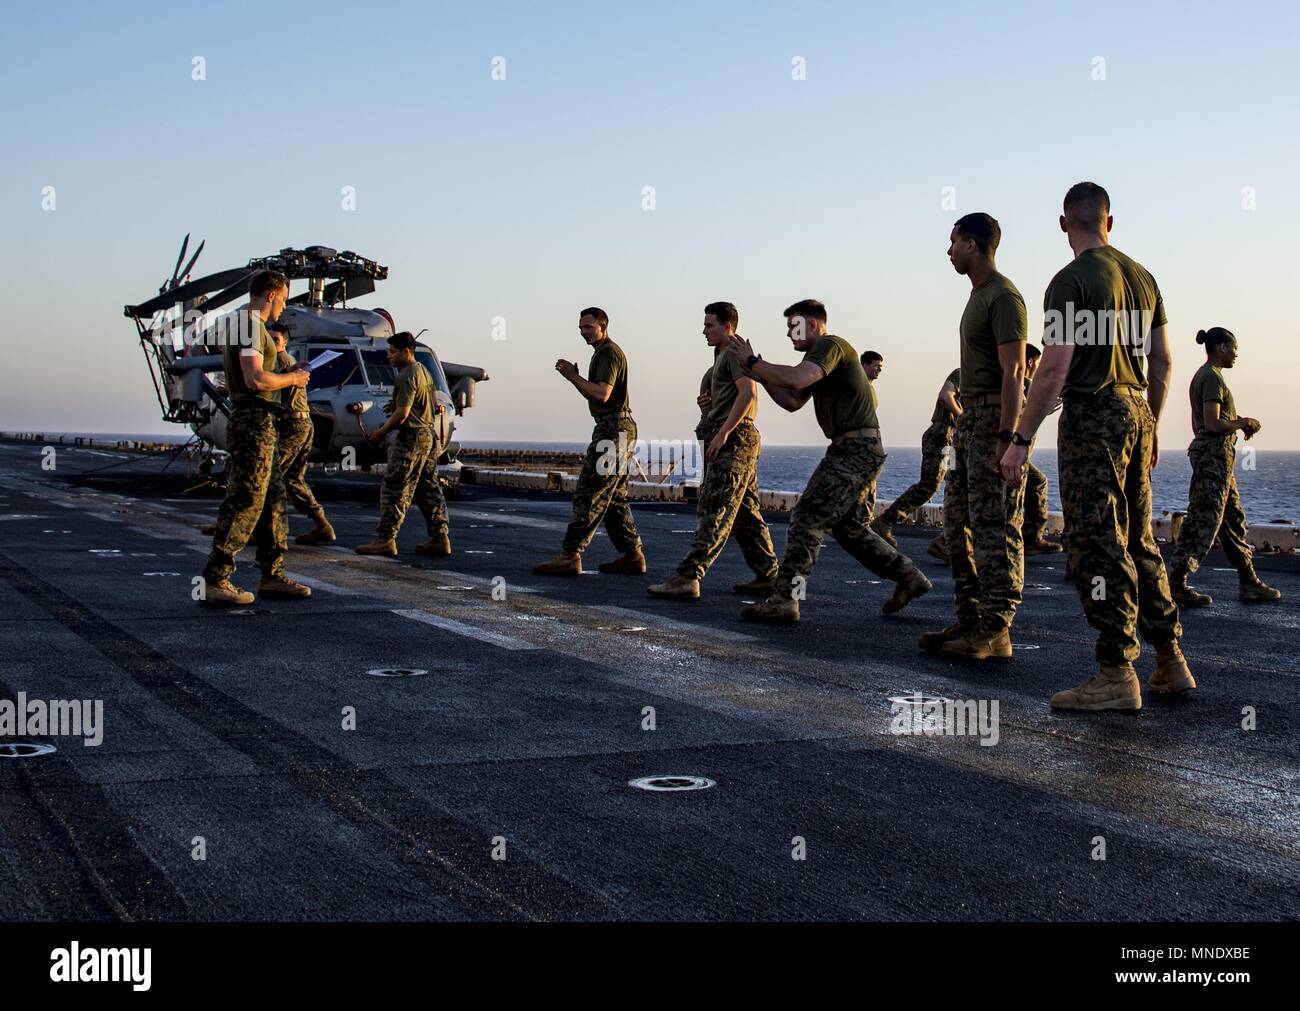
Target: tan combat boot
{"x":1043,"y":546}
{"x":933,"y":642}
{"x":910,"y":585}
{"x":679,"y":587}
{"x":281,"y":587}
{"x":1184,"y":595}
{"x":566,"y":563}
{"x":321,"y":533}
{"x":439,"y":545}
{"x":631,"y":564}
{"x":938,"y":549}
{"x":758,"y":585}
{"x":378,"y":546}
{"x":224,"y":593}
{"x":1172,"y":675}
{"x":981,"y":645}
{"x":885,"y":530}
{"x":1254,"y":590}
{"x":776,"y":610}
{"x":1110,"y":688}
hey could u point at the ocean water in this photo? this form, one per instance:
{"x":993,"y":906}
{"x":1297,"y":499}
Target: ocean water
{"x":1270,"y":491}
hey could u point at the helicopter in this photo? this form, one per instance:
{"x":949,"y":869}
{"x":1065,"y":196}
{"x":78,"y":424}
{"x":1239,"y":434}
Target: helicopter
{"x":179,"y":331}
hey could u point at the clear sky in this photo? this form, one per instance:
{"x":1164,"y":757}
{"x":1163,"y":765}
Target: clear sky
{"x":523,"y":198}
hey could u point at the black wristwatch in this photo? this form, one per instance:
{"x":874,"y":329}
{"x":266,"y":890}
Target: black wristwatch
{"x":1015,"y":438}
{"x":749,"y":362}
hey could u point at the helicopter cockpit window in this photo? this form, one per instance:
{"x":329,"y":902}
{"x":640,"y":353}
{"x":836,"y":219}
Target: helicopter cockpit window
{"x":335,"y":372}
{"x":378,"y":371}
{"x":426,"y":359}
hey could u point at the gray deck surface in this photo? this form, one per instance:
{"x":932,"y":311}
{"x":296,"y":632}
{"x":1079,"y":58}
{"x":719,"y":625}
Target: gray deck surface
{"x":528,"y":726}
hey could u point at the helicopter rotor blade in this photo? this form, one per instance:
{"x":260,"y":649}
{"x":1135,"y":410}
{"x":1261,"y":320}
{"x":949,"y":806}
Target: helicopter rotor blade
{"x":231,"y":293}
{"x":187,"y":292}
{"x":190,"y":266}
{"x":185,"y":244}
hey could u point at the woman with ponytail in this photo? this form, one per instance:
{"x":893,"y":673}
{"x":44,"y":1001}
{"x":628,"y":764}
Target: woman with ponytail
{"x":1213,"y":503}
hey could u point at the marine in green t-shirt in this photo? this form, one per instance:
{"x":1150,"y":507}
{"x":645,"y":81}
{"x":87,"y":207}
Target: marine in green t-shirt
{"x":1214,"y":510}
{"x":245,"y":322}
{"x":722,"y":387}
{"x":837,"y":498}
{"x":1105,"y":304}
{"x":727,"y":503}
{"x":994,"y":315}
{"x":1208,"y":386}
{"x":601,"y":491}
{"x":942,"y":414}
{"x":609,"y":365}
{"x":843,"y":399}
{"x":414,"y":389}
{"x":294,"y":398}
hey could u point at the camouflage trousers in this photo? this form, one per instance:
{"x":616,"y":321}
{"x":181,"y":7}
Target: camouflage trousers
{"x":412,"y":471}
{"x":729,"y":503}
{"x":1213,"y":507}
{"x":295,"y":447}
{"x":981,"y":525}
{"x":601,"y":494}
{"x":934,"y":445}
{"x":254,"y":506}
{"x":836,"y":501}
{"x":1104,"y":447}
{"x":1035,"y":526}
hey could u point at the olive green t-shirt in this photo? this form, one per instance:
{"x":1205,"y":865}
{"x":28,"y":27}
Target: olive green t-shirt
{"x":995,"y":314}
{"x":294,"y":398}
{"x":1208,"y":385}
{"x":230,"y":355}
{"x":940,"y":414}
{"x":413,"y":387}
{"x":722,"y":387}
{"x":1105,"y":304}
{"x":609,"y":365}
{"x":843,"y":398}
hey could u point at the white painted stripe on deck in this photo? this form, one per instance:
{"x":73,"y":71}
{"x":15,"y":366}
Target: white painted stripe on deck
{"x":320,"y":584}
{"x":470,"y":631}
{"x":154,"y":534}
{"x":508,"y":519}
{"x":686,"y":627}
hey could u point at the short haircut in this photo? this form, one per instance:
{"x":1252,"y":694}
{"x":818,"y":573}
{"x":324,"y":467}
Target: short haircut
{"x":277,"y":328}
{"x":265,"y":281}
{"x":1031,"y":351}
{"x":808,"y":307}
{"x":1086,"y":204}
{"x":724,"y":312}
{"x":872,"y":356}
{"x":1214,"y":336}
{"x":599,"y":315}
{"x":403,"y":340}
{"x":981,"y":229}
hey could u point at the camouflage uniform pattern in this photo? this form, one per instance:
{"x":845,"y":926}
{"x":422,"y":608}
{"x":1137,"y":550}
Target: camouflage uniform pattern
{"x":729,"y":504}
{"x":982,"y":517}
{"x":604,"y":496}
{"x":1213,"y":507}
{"x":934,"y":443}
{"x":1104,"y":447}
{"x":254,"y":506}
{"x":412,"y":471}
{"x":295,"y":448}
{"x":1035,"y":525}
{"x":836,"y":500}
